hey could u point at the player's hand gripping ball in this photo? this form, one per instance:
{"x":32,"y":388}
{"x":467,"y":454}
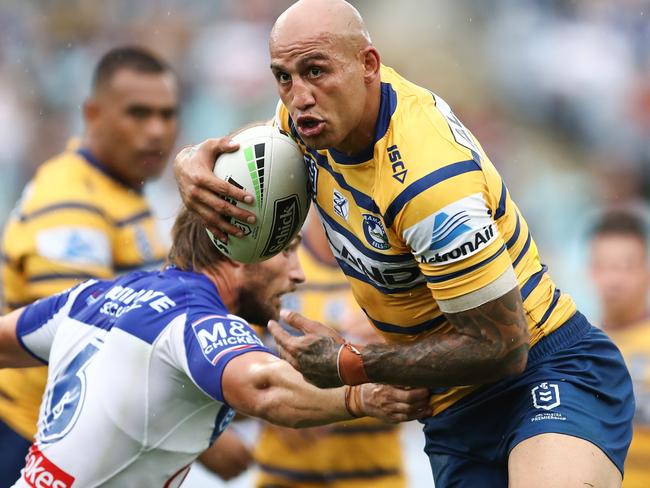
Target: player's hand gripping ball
{"x":269,"y":164}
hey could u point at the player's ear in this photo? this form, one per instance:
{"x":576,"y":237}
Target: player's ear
{"x":90,"y":110}
{"x":371,"y":63}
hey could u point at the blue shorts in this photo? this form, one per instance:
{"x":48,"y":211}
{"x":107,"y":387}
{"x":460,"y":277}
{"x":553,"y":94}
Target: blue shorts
{"x":13,"y":449}
{"x":575,"y":383}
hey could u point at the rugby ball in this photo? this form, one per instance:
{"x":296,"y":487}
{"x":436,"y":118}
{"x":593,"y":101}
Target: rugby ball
{"x":269,"y":165}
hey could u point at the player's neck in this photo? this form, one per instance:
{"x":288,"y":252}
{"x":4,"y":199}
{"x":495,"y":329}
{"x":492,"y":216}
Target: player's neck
{"x":364,"y":134}
{"x":102,"y":157}
{"x":223,"y":279}
{"x":622,"y":320}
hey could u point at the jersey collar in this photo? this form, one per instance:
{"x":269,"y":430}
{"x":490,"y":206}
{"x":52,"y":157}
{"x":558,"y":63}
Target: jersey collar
{"x":94,"y":162}
{"x":387,"y":106}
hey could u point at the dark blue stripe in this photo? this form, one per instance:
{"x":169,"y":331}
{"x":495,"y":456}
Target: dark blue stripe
{"x":358,"y":245}
{"x":502,"y":202}
{"x":329,"y":476}
{"x":387,"y":106}
{"x":294,"y":131}
{"x":523,"y":251}
{"x":59,"y":276}
{"x":363,"y":429}
{"x":426,"y":182}
{"x":358,"y":275}
{"x":412,"y":329}
{"x":361,"y":199}
{"x":83,"y":206}
{"x":551,"y":307}
{"x":62,"y":206}
{"x":456,"y":274}
{"x":532,"y":282}
{"x":139,"y":266}
{"x":95,"y":163}
{"x":133,"y":219}
{"x":515,"y":235}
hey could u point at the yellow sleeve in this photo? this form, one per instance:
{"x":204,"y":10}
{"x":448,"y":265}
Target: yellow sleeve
{"x":446,"y":218}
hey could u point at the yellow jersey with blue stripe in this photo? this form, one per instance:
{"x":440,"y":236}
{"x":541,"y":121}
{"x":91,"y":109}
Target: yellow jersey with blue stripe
{"x":422,"y":217}
{"x":74,"y":221}
{"x":363,"y":452}
{"x":634,"y":343}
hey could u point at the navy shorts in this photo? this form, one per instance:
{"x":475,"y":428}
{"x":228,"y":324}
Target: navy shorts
{"x":13,"y":451}
{"x":575,"y":383}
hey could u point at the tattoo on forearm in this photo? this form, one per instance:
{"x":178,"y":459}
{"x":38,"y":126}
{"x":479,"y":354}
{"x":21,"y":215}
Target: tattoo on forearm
{"x":483,"y":345}
{"x":317,"y":361}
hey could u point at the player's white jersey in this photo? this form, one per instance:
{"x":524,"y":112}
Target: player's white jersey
{"x":134,"y":383}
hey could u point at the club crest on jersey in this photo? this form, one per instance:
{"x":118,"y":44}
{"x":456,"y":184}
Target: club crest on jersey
{"x":341,"y":205}
{"x":373,"y":229}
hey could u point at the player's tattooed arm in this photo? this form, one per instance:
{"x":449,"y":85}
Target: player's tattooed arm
{"x":485,"y":344}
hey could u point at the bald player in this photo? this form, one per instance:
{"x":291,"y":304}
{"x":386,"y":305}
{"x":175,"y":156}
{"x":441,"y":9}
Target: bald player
{"x":524,"y":391}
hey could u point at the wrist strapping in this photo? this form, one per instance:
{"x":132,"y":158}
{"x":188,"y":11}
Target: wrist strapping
{"x":353,"y":401}
{"x":350,"y":365}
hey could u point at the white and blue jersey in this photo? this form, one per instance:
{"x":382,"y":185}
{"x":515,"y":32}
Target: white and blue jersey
{"x":134,"y":384}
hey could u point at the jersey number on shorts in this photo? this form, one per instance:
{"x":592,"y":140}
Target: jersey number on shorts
{"x":66,"y":396}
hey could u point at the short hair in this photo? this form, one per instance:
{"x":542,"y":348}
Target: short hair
{"x":127,"y":57}
{"x":621,"y":222}
{"x":192,"y":249}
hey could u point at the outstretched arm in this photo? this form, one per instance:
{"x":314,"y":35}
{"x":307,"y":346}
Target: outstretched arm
{"x":261,"y":385}
{"x":485,"y":344}
{"x":12,"y":354}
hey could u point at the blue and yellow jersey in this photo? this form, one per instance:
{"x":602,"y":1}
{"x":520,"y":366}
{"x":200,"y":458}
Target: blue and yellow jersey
{"x":74,"y":221}
{"x":422,"y":218}
{"x":634,"y":343}
{"x":362,"y":452}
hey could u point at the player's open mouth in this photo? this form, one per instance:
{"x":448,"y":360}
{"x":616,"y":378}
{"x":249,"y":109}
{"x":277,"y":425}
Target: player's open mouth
{"x":310,"y":126}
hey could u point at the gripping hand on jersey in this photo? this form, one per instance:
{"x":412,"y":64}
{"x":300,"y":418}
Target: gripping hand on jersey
{"x":315,"y":353}
{"x":204,"y":193}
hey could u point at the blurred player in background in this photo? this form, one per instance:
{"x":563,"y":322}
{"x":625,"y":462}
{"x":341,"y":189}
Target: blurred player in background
{"x":83,"y":215}
{"x":360,"y":453}
{"x":620,"y":271}
{"x":145,"y":370}
{"x":443,"y":263}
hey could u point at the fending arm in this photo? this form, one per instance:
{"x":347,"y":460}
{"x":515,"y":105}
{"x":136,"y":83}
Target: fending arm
{"x":487,"y":343}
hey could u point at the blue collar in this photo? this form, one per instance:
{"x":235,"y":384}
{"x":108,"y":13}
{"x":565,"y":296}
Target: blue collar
{"x":387,"y":106}
{"x":94,"y":162}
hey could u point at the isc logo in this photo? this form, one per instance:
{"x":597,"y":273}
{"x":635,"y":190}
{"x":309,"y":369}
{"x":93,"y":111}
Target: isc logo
{"x":399,"y":170}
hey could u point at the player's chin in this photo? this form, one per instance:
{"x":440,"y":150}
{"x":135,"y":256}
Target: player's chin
{"x":320,"y":142}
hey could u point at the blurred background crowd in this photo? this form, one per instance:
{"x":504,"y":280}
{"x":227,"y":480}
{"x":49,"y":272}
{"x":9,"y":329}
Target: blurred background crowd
{"x":557,"y":91}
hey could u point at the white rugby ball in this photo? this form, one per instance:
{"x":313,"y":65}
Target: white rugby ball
{"x":269,"y":165}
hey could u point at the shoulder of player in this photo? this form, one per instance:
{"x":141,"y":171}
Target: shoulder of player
{"x":63,"y":178}
{"x":67,"y":182}
{"x":636,"y":336}
{"x":427,"y":123}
